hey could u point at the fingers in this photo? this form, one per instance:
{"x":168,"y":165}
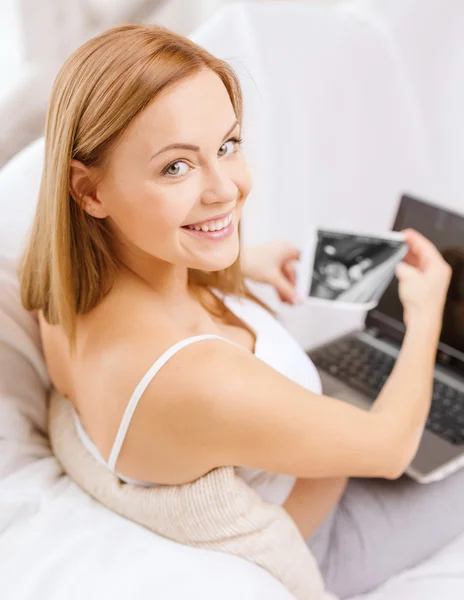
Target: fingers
{"x":288,"y":268}
{"x":289,"y":272}
{"x":404,"y":270}
{"x":285,"y":280}
{"x":285,"y":289}
{"x":421,"y":250}
{"x":292,"y":254}
{"x":285,"y":285}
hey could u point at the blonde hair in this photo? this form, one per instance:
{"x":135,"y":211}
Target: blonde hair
{"x":67,"y":266}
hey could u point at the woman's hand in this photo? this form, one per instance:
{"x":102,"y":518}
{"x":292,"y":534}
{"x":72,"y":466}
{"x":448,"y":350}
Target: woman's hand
{"x":424,"y":277}
{"x":272,"y":263}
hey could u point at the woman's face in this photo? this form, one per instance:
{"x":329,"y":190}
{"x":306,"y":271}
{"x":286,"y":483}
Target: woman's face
{"x":176,"y":182}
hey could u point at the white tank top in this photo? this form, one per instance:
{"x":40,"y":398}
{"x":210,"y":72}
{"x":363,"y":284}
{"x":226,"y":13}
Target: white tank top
{"x":274,"y":345}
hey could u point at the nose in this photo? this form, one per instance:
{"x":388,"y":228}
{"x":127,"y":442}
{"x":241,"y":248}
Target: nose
{"x":219,"y":187}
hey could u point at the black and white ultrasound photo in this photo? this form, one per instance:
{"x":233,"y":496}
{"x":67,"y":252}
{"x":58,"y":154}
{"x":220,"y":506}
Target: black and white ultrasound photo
{"x":353,"y":268}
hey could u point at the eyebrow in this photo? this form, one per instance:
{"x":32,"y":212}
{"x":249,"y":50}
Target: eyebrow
{"x":189,"y":146}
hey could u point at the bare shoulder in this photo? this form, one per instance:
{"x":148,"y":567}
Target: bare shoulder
{"x":196,"y":389}
{"x":123,"y":340}
{"x":117,"y":343}
{"x":183,"y":409}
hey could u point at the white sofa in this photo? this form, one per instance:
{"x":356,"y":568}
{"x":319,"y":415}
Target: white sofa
{"x":335,"y":129}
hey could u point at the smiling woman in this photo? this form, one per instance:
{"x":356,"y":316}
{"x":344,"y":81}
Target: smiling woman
{"x":165,"y":155}
{"x":135,"y":244}
{"x":151,"y":201}
{"x":172,"y":367}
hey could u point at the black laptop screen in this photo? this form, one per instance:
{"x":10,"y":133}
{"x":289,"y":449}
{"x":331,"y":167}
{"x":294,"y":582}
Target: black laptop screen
{"x":446,"y":230}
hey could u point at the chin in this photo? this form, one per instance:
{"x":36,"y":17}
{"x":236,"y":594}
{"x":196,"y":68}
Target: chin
{"x":219,"y":260}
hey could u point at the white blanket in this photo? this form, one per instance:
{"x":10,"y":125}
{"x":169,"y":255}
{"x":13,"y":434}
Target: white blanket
{"x":56,"y":543}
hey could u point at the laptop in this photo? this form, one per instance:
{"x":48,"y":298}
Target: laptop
{"x":355,"y":366}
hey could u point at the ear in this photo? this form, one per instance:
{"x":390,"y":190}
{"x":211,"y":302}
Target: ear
{"x":83,"y":189}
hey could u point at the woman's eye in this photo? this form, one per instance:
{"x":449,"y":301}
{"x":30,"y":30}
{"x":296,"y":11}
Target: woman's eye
{"x":175,"y":169}
{"x":230,"y":144}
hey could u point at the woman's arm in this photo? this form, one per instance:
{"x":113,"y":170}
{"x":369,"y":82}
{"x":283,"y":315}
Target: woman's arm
{"x":232,"y":408}
{"x":214,"y":403}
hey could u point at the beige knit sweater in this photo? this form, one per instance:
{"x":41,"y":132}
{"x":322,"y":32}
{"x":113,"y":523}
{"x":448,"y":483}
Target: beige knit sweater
{"x":218,"y":511}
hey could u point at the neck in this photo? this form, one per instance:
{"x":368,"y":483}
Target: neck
{"x":168,"y":281}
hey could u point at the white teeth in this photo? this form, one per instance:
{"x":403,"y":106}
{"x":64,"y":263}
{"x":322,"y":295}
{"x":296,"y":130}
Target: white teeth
{"x":213,"y":225}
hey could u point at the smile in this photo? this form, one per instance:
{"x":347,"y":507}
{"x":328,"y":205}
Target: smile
{"x":214,"y":229}
{"x":217,"y":225}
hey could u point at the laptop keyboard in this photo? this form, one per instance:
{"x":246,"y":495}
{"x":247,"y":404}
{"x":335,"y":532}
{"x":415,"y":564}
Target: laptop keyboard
{"x":366,"y":369}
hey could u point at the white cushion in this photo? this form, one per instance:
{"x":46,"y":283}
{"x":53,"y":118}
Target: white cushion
{"x":19,"y":189}
{"x":24,"y":378}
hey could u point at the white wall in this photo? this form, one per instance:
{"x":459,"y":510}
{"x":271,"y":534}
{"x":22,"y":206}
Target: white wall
{"x":11,"y":45}
{"x":37,"y":35}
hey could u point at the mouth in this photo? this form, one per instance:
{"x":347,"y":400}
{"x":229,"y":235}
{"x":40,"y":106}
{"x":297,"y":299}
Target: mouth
{"x":217,"y":224}
{"x":213,"y":229}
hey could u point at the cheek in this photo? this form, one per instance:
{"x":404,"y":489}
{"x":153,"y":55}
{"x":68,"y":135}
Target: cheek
{"x":166,"y":208}
{"x":152,"y":215}
{"x":244,"y":179}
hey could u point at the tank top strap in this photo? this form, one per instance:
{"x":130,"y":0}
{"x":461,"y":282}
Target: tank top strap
{"x":132,"y":405}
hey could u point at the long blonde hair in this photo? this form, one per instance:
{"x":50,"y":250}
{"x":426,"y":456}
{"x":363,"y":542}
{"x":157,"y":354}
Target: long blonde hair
{"x":67,"y":266}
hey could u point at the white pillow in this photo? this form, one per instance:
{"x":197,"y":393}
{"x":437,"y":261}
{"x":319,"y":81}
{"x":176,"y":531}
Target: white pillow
{"x":24,"y":379}
{"x":19,"y":189}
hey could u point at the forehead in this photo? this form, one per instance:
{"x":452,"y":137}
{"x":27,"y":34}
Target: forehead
{"x":187,"y":111}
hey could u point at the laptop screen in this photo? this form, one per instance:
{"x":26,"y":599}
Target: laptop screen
{"x":446,"y":230}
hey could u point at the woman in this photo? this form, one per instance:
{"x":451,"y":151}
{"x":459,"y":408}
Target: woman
{"x":134,"y":258}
